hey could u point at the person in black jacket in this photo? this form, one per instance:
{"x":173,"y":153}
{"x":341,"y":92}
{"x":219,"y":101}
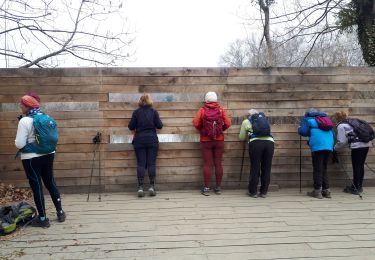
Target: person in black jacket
{"x":144,"y":122}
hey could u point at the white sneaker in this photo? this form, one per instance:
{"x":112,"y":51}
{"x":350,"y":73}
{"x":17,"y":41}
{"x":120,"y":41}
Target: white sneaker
{"x":151,"y":191}
{"x":140,"y":192}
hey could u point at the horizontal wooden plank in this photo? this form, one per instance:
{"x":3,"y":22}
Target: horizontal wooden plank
{"x":297,"y":87}
{"x":76,"y":97}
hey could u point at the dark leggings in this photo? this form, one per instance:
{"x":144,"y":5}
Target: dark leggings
{"x":358,"y":163}
{"x":212,"y":151}
{"x":38,"y":169}
{"x":146,"y":158}
{"x":261,"y":154}
{"x":319,"y":161}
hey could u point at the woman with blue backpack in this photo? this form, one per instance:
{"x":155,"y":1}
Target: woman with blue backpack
{"x":261,"y":149}
{"x":37,"y":138}
{"x":319,"y":128}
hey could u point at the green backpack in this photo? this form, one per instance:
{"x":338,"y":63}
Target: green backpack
{"x":14,"y":216}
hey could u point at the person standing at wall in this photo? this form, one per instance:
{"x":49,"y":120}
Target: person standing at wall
{"x":261,"y":149}
{"x":347,"y":137}
{"x":211,"y":120}
{"x":144,"y":122}
{"x":38,"y":166}
{"x":321,"y":145}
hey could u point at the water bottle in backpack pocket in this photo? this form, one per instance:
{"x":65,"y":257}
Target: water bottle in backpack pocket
{"x":260,"y":125}
{"x":46,"y":135}
{"x":213,"y":122}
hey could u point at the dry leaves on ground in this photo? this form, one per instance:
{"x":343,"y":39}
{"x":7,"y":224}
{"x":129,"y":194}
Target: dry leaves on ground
{"x":10,"y":194}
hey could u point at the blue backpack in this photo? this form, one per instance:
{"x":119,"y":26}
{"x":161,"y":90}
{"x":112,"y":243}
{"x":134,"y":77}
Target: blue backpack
{"x":46,"y":135}
{"x":260,"y":125}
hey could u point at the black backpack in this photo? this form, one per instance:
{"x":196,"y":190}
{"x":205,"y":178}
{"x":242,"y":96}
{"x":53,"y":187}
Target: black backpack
{"x":362,"y":131}
{"x":260,"y":125}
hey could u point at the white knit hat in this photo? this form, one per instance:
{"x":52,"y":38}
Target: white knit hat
{"x":210,"y":97}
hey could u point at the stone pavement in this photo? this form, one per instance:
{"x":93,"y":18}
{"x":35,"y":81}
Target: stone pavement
{"x":186,"y":225}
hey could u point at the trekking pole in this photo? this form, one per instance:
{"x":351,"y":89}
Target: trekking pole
{"x":243,"y":159}
{"x":92,"y":171}
{"x":300,"y":164}
{"x":372,"y":170}
{"x":347,"y":175}
{"x":100,"y":176}
{"x":96,"y":140}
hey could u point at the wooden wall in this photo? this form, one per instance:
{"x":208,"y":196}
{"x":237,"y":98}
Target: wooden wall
{"x":87,"y":100}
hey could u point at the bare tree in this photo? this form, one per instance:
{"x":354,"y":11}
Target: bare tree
{"x":313,"y":19}
{"x":329,"y":50}
{"x":265,"y":7}
{"x":40,"y":33}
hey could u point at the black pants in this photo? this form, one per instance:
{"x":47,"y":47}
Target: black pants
{"x":146,"y":158}
{"x":358,"y":163}
{"x":261,"y":154}
{"x":319,"y":161}
{"x":38,"y":169}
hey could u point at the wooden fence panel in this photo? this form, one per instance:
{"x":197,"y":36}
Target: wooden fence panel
{"x":85,"y":101}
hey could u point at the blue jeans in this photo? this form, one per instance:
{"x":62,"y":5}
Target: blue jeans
{"x":146,"y":158}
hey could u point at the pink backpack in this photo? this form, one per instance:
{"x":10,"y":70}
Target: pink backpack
{"x":212,"y":122}
{"x":324,"y":123}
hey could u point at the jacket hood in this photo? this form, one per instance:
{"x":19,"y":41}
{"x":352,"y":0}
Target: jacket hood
{"x":313,"y":114}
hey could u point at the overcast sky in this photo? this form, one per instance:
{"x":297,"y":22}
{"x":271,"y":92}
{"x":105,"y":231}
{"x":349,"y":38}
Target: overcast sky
{"x":183,"y":33}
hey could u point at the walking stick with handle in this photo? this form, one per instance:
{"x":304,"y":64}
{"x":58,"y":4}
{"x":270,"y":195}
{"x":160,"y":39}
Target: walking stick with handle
{"x":96,"y":140}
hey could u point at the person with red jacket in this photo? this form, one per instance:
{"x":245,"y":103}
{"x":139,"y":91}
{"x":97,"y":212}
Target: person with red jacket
{"x":211,"y":120}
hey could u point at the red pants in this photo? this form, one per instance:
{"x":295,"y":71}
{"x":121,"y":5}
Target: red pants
{"x":212,"y":151}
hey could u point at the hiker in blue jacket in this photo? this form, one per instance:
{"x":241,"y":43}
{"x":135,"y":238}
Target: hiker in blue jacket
{"x":321,"y":145}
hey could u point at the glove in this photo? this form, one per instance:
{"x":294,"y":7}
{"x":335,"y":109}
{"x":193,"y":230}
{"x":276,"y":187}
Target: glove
{"x":335,"y":158}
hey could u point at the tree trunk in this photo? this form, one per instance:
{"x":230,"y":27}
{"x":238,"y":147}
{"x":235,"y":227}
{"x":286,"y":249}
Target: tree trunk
{"x":366,"y":29}
{"x":266,"y":32}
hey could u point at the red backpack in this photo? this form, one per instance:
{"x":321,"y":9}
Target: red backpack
{"x":212,"y":122}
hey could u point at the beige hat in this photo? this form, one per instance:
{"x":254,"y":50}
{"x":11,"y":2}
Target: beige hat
{"x":210,"y":97}
{"x":252,"y":112}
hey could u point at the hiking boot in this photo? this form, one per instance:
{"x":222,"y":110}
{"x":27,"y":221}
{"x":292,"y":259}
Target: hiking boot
{"x":61,"y":216}
{"x":262,"y":195}
{"x":205,"y":191}
{"x":151,"y":191}
{"x":37,"y":222}
{"x":326,"y":194}
{"x":217,"y":190}
{"x":140,"y":192}
{"x":315,"y":194}
{"x":252,"y":195}
{"x":351,"y":190}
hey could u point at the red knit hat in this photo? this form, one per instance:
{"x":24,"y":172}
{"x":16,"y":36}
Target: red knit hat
{"x":30,"y":101}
